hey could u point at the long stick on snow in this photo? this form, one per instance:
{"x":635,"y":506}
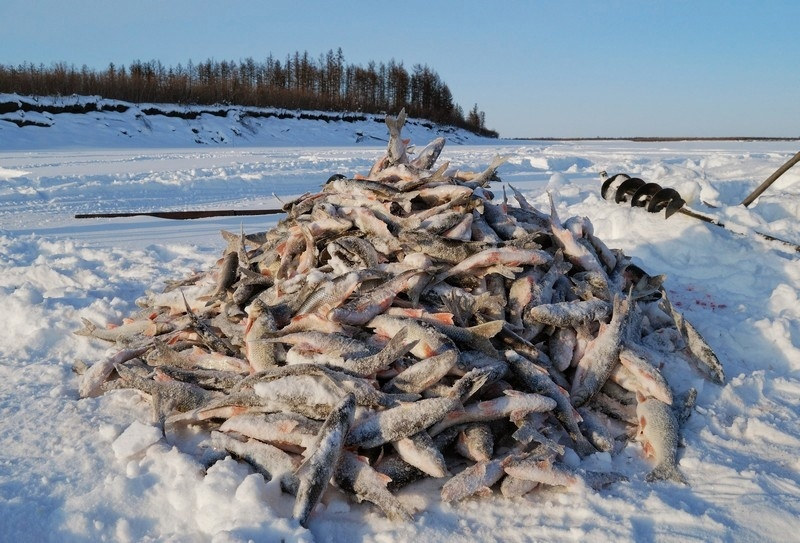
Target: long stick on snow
{"x":771,"y":179}
{"x":183,"y":215}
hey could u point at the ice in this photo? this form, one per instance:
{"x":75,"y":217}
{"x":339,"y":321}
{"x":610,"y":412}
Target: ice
{"x":135,"y":439}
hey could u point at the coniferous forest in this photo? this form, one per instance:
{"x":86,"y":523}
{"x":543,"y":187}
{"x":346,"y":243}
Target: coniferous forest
{"x":299,"y":81}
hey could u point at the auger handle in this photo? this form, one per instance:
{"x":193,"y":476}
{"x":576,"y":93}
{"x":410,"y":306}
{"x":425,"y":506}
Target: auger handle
{"x":771,"y":179}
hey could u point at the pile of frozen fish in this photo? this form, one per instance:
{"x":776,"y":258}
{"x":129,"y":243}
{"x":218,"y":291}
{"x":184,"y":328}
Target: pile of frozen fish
{"x":405,"y":325}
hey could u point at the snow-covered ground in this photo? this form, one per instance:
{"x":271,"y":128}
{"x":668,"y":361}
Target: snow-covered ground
{"x":92,"y":469}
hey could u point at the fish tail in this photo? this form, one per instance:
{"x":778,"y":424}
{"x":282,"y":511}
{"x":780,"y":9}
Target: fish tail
{"x":553,"y":214}
{"x":583,"y":446}
{"x":88,"y":328}
{"x":666,"y":472}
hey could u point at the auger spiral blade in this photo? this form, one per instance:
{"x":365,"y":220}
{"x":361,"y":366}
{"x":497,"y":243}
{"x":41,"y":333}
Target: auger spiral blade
{"x":643,"y":195}
{"x":627,"y":188}
{"x":613,"y":181}
{"x":668,"y":199}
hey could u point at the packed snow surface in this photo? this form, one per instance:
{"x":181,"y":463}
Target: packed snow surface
{"x":96,"y":469}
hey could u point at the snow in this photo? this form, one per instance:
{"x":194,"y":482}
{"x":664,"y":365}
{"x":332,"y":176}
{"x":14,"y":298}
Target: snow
{"x":135,"y":439}
{"x":93,"y":469}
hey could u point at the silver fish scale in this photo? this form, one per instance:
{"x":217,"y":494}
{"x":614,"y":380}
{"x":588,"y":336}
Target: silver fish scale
{"x":413,"y":295}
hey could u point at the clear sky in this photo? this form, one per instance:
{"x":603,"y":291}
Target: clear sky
{"x":536,"y":68}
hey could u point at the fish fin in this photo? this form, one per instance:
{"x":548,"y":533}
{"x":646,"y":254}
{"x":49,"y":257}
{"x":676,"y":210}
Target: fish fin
{"x":484,"y":492}
{"x":287,"y":426}
{"x":469,"y":384}
{"x":487,"y":329}
{"x":509,"y":272}
{"x":399,"y":344}
{"x":518,"y":416}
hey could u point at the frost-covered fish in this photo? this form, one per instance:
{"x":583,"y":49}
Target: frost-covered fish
{"x":308,"y":394}
{"x":315,"y":473}
{"x":482,"y":179}
{"x":513,"y":487}
{"x":475,"y":441}
{"x":268,"y":460}
{"x":207,"y":335}
{"x":420,"y":451}
{"x":354,"y":475}
{"x":260,"y":325}
{"x":398,"y":470}
{"x":601,"y":355}
{"x":513,"y":404}
{"x":365,"y":366}
{"x":352,"y":253}
{"x":476,"y":480}
{"x":429,"y":155}
{"x":167,"y":396}
{"x":562,"y":314}
{"x":529,"y":429}
{"x":374,"y":302}
{"x":423,"y":374}
{"x":496,"y":260}
{"x":287,"y":431}
{"x":209,"y":379}
{"x":526,"y":206}
{"x":504,"y":226}
{"x":647,"y":379}
{"x":537,"y":380}
{"x":399,"y":422}
{"x":430,"y":341}
{"x":561,"y":346}
{"x":320,"y":342}
{"x":227,"y":274}
{"x":541,"y":470}
{"x":396,"y":149}
{"x":439,"y":247}
{"x":173,"y":300}
{"x":595,"y":429}
{"x":658,"y":433}
{"x":332,"y":294}
{"x":363,"y":188}
{"x":520,"y":295}
{"x":125,"y":332}
{"x":576,"y":252}
{"x":408,"y":419}
{"x":96,"y":375}
{"x":697,"y":349}
{"x":197,"y":357}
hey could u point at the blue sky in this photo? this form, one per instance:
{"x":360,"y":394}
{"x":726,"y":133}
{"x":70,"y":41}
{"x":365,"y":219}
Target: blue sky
{"x":536,"y":68}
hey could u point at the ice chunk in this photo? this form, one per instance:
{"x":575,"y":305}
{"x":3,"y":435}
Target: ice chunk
{"x":135,"y":439}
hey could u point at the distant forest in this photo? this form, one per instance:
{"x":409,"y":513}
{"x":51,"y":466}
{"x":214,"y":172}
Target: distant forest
{"x":298,"y":82}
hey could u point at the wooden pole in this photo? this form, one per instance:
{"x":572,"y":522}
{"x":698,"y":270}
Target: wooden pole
{"x":183,"y":215}
{"x":771,"y":179}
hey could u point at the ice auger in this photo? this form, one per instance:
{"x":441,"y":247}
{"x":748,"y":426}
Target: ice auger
{"x":653,"y":197}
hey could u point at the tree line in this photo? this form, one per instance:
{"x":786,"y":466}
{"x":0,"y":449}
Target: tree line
{"x":326,"y":83}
